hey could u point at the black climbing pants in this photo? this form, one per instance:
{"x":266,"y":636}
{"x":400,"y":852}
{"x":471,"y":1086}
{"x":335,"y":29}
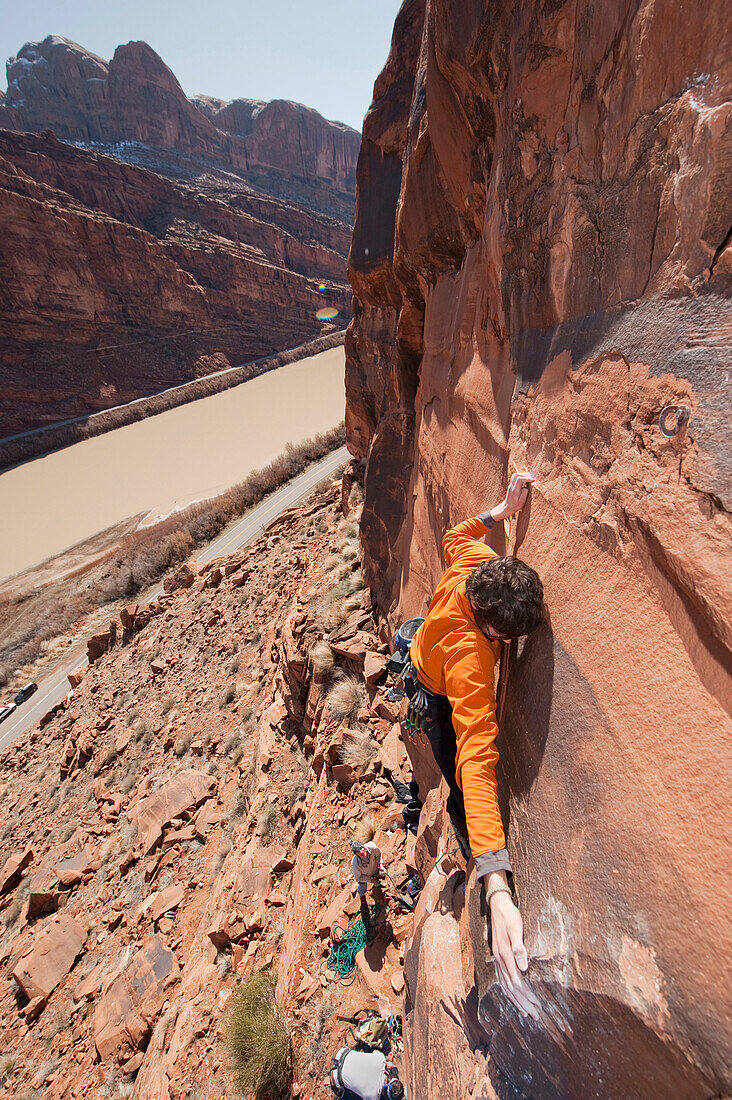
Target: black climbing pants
{"x":440,"y":733}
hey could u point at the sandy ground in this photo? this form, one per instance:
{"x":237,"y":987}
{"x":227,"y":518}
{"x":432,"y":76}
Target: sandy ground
{"x":166,"y":462}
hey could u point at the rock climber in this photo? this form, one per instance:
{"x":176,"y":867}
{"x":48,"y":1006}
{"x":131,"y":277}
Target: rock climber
{"x":481,"y":601}
{"x":365,"y":1074}
{"x":366,"y":865}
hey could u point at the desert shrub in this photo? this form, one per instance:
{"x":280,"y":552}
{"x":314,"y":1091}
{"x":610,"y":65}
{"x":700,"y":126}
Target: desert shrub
{"x":4,"y":675}
{"x":131,"y":717}
{"x":349,"y":552}
{"x":109,"y":756}
{"x":233,"y":666}
{"x":237,"y":754}
{"x":294,"y":792}
{"x":167,"y":705}
{"x":232,"y":742}
{"x":128,"y":782}
{"x":345,"y":698}
{"x":330,"y":563}
{"x":322,"y":657}
{"x":358,"y":750}
{"x":228,"y":696}
{"x":7,"y":1065}
{"x":267,"y":821}
{"x":183,"y":745}
{"x":258,"y":1040}
{"x":140,"y":729}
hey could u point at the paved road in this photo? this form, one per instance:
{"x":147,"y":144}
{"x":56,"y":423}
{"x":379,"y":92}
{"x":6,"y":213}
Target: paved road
{"x":245,"y":530}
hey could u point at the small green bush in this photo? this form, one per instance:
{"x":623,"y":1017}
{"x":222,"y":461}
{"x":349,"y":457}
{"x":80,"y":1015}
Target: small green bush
{"x":257,"y":1039}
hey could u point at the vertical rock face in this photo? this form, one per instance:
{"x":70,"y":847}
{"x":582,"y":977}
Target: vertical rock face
{"x":541,"y":264}
{"x":56,"y":84}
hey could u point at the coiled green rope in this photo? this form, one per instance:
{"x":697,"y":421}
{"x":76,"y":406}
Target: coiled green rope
{"x":356,"y":936}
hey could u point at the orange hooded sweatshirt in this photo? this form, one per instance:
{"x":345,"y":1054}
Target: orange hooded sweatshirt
{"x":453,"y":657}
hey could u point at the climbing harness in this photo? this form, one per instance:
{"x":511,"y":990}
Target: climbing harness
{"x":341,"y":963}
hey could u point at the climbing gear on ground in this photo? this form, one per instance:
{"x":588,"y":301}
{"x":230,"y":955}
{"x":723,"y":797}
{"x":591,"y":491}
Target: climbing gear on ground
{"x":396,"y":1038}
{"x":358,"y":934}
{"x":372,"y":1032}
{"x":414,"y":887}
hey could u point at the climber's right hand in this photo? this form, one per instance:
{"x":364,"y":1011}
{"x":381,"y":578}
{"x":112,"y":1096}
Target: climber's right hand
{"x":511,"y":958}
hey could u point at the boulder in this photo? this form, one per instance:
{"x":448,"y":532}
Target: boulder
{"x":71,"y":871}
{"x":183,"y":576}
{"x":78,"y":675}
{"x":185,"y":792}
{"x":374,"y":668}
{"x":50,"y":956}
{"x":97,"y":645}
{"x":344,"y":775}
{"x":542,"y":312}
{"x":124,"y":1016}
{"x":128,"y":615}
{"x":13,"y":868}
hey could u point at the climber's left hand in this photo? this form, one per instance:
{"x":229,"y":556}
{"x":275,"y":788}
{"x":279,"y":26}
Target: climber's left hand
{"x":511,"y":957}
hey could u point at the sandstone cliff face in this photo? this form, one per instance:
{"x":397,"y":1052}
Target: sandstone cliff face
{"x":541,"y":263}
{"x":118,"y":283}
{"x":285,"y":147}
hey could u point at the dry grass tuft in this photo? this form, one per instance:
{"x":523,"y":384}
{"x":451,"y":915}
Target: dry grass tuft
{"x":267,"y":821}
{"x":358,"y":750}
{"x":322,"y":657}
{"x":364,"y":829}
{"x":258,"y":1039}
{"x":345,"y":698}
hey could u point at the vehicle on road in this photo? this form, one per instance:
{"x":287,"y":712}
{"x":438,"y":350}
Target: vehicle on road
{"x":6,"y":711}
{"x":25,"y":693}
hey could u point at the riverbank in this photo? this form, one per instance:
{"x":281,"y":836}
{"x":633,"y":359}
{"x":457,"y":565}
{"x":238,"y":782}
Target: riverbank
{"x":42,"y":441}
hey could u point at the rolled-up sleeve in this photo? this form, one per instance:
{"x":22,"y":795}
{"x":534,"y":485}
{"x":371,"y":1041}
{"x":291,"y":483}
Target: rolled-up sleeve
{"x":461,"y":541}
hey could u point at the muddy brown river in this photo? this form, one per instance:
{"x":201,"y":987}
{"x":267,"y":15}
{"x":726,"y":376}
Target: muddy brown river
{"x":165,"y":462}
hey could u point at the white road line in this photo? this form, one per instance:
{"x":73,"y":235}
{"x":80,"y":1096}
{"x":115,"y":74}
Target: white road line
{"x":248,"y":527}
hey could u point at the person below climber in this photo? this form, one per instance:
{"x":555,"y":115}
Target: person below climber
{"x":482,"y":600}
{"x":366,"y":866}
{"x":365,"y":1075}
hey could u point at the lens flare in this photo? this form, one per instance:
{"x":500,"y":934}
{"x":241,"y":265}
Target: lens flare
{"x":326,"y":314}
{"x":322,"y":288}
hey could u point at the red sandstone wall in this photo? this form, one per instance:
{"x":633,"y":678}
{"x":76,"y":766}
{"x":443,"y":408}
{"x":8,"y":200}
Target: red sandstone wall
{"x":540,"y":264}
{"x":118,"y":283}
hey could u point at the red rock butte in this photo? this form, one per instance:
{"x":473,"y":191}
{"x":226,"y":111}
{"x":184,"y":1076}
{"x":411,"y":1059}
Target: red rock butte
{"x":178,"y":238}
{"x":541,"y":265}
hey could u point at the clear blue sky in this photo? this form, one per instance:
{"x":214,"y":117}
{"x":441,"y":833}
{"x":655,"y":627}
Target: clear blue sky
{"x":326,"y":55}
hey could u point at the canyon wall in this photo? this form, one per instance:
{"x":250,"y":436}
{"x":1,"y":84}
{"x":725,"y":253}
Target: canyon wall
{"x":541,"y":265}
{"x":136,"y":100}
{"x":118,"y":283}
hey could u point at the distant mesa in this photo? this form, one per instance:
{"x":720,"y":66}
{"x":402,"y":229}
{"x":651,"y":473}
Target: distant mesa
{"x":286,"y":148}
{"x":148,"y":239}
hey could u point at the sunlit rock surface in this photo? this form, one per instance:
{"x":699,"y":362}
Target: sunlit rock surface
{"x":541,"y":265}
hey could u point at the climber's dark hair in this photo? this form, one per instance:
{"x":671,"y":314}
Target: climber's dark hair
{"x":394,"y":1090}
{"x":506,"y":594}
